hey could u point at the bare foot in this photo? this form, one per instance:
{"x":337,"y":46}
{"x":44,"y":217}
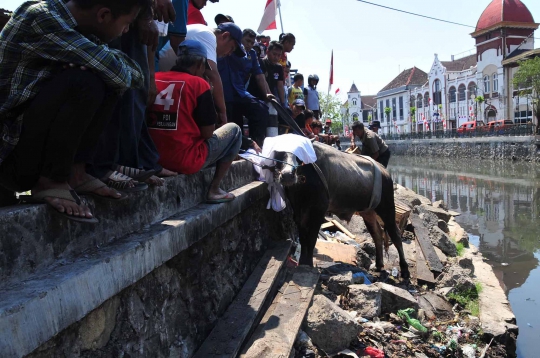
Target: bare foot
{"x":219,"y":194}
{"x":154,"y":180}
{"x":166,"y":173}
{"x":61,"y":205}
{"x":79,"y":176}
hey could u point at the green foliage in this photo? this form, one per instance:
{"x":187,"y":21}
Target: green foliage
{"x":413,"y":111}
{"x":460,"y":248}
{"x":479,"y":99}
{"x":527,"y":78}
{"x":468,"y":298}
{"x":330,"y":107}
{"x":387,"y":110}
{"x":369,"y":118}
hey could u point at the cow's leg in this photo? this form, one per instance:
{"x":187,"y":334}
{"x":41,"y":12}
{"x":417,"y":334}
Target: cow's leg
{"x":310,"y":224}
{"x":387,"y":211}
{"x":370,"y":219}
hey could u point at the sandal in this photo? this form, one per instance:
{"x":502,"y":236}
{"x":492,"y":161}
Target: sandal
{"x":134,"y":173}
{"x":64,"y":194}
{"x":222,"y":199}
{"x":121,"y":182}
{"x":90,"y":187}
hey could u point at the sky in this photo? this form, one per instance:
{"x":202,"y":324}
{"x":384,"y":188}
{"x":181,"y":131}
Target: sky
{"x":371,"y":45}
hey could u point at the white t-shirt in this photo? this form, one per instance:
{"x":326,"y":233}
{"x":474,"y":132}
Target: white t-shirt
{"x":197,"y":32}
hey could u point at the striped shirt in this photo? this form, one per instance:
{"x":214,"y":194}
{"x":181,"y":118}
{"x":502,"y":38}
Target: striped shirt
{"x":36,"y":42}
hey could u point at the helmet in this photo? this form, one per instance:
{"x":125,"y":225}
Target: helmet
{"x":313,"y":77}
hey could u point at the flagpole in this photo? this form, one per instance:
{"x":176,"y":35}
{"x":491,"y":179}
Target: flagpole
{"x":280,"y":18}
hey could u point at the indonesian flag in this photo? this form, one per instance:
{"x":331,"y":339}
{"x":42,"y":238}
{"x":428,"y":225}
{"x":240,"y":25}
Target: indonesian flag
{"x":331,"y":82}
{"x":268,"y":21}
{"x":337,"y":91}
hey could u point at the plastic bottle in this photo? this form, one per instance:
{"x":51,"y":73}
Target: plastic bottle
{"x":394,"y":271}
{"x":404,"y":314}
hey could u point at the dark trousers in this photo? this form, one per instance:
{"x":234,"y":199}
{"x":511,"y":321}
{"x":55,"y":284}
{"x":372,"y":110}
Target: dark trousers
{"x":255,"y":111}
{"x":126,"y":140}
{"x":61,"y":126}
{"x":384,"y":158}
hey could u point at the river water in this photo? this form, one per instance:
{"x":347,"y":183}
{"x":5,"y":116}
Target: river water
{"x":499,"y":204}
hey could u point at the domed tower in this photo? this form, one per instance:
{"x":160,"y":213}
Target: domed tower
{"x":503,"y":26}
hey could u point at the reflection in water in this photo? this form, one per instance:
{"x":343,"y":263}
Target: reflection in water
{"x":500,"y":207}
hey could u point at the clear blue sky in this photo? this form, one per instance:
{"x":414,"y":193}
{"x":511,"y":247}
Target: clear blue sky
{"x":370,"y":44}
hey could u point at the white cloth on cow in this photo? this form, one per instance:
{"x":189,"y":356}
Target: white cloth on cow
{"x":300,"y":146}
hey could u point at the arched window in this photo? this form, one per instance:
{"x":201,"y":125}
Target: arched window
{"x":354,"y":101}
{"x":355,"y":117}
{"x":487,"y":87}
{"x":452,"y":94}
{"x":426,"y":99}
{"x":461,"y":92}
{"x":472,"y":88}
{"x":495,"y":82}
{"x":419,"y":101}
{"x":437,"y":96}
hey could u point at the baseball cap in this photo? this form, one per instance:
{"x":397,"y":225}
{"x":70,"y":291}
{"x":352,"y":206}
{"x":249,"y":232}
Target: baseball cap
{"x":236,"y":34}
{"x":192,"y":47}
{"x":299,"y":102}
{"x":220,"y":18}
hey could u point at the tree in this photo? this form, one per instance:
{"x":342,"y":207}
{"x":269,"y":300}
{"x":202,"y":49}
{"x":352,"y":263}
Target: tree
{"x":387,"y":111}
{"x":331,"y":109}
{"x":479,"y":100}
{"x":527,"y":80}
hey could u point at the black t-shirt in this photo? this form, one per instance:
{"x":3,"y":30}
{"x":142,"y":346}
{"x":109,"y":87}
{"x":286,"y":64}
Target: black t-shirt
{"x":301,"y":120}
{"x":273,"y":73}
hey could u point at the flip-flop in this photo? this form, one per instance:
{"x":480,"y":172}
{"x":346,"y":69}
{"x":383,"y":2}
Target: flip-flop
{"x":225,"y":199}
{"x":136,"y":174}
{"x":121,"y":182}
{"x":64,"y":194}
{"x":90,"y":187}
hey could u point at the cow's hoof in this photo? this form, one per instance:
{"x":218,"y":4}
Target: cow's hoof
{"x":405,"y":275}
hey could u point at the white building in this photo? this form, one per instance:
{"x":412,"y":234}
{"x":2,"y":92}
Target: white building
{"x":357,"y":108}
{"x":504,"y":33}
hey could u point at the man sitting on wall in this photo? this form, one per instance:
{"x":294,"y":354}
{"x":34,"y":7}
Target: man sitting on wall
{"x":183,"y":119}
{"x":372,"y":144}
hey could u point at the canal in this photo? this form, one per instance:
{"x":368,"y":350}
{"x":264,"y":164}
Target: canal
{"x":499,"y":204}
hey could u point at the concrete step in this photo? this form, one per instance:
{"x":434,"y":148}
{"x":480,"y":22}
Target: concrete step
{"x":277,"y":332}
{"x":36,"y":309}
{"x":34,"y":237}
{"x":233,"y":327}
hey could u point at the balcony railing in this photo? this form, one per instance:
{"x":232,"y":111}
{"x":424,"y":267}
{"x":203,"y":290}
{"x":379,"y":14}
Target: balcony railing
{"x":507,"y":130}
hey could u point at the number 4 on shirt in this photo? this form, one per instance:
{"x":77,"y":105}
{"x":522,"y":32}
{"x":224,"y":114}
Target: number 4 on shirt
{"x":165,"y":97}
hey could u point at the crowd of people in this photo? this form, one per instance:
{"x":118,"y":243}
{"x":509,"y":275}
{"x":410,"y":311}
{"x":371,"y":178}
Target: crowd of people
{"x":98,"y":98}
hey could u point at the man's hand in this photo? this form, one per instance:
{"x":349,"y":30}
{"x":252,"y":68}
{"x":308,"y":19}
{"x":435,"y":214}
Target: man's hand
{"x":256,"y":147}
{"x":270,"y":97}
{"x":222,"y":119}
{"x":164,"y":11}
{"x":148,"y":33}
{"x":152,"y":93}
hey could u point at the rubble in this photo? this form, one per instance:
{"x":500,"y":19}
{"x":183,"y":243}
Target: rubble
{"x":330,"y":327}
{"x":375,"y":314}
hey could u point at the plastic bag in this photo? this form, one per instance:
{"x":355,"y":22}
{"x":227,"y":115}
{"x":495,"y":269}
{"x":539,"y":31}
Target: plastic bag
{"x":374,"y":352}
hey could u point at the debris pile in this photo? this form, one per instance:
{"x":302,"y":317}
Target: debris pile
{"x":358,"y":312}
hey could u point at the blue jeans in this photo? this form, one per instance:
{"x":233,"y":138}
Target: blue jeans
{"x":224,"y":145}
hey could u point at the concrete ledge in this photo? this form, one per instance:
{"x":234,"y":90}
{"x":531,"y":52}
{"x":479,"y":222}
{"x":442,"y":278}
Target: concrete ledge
{"x":33,"y":236}
{"x":34,"y":311}
{"x":501,"y":139}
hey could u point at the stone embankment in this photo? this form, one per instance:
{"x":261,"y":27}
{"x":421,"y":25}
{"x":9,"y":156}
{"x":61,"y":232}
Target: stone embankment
{"x":500,"y":148}
{"x":459,"y":311}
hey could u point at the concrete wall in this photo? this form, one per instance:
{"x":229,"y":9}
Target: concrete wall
{"x":170,"y":311}
{"x":498,"y":148}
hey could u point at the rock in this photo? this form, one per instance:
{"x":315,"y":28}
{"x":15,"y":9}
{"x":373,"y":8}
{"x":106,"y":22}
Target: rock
{"x":429,"y":219}
{"x":435,"y":306}
{"x":445,"y":291}
{"x":456,"y":277}
{"x":440,"y":213}
{"x":394,"y":298}
{"x":439,"y":204}
{"x":441,"y":255}
{"x":365,"y":299}
{"x":464,"y":239}
{"x":303,"y":340}
{"x":409,"y":197}
{"x":368,"y":247}
{"x":362,"y":259}
{"x":339,"y":283}
{"x":442,"y":241}
{"x":466,"y":263}
{"x":381,"y":326}
{"x":330,"y":327}
{"x":443,"y":226}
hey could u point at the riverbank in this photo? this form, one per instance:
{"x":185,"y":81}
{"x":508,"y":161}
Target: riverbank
{"x":455,"y":310}
{"x":524,"y":149}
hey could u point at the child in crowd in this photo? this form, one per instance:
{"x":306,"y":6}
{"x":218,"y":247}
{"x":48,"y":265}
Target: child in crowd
{"x":296,"y":91}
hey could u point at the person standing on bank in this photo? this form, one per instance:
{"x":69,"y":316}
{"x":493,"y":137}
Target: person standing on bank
{"x":372,"y":144}
{"x":375,"y":126}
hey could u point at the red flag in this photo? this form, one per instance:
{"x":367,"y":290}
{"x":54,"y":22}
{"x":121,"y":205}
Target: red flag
{"x":337,"y":91}
{"x":331,"y":82}
{"x":268,"y":21}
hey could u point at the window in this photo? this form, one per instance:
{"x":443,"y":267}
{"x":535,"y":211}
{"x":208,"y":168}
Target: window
{"x":487,"y":88}
{"x":452,"y":94}
{"x":495,"y":82}
{"x":426,"y":99}
{"x":381,"y":111}
{"x":437,"y":97}
{"x":419,"y":101}
{"x":461,"y":93}
{"x":401,"y":107}
{"x":394,"y":109}
{"x":354,"y":101}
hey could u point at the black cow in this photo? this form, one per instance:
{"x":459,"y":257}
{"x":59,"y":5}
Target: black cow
{"x":348,"y":189}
